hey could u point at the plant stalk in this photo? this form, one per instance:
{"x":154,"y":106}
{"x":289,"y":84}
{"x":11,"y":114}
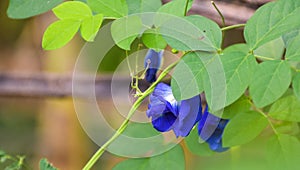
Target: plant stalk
{"x":132,"y":110}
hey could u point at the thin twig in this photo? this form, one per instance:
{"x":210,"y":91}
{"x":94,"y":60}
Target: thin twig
{"x":44,"y":85}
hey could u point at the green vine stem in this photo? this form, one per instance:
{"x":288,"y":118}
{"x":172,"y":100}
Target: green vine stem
{"x":219,"y":12}
{"x":232,"y":27}
{"x":223,"y":20}
{"x":266,"y":116}
{"x":123,"y":126}
{"x":186,"y":7}
{"x":263,"y":57}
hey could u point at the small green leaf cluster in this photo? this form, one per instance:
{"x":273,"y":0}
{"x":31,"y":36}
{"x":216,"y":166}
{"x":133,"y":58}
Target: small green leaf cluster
{"x":12,"y":162}
{"x":72,"y":16}
{"x":45,"y":165}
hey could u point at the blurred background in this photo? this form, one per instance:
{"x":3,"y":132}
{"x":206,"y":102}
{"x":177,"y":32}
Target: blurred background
{"x":47,"y":126}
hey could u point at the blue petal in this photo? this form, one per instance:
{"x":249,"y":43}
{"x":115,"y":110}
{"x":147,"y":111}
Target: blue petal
{"x":163,"y":92}
{"x":162,"y":101}
{"x":189,"y":115}
{"x":207,"y":125}
{"x":164,"y":122}
{"x":153,"y":59}
{"x":152,"y":62}
{"x":156,"y":106}
{"x":211,"y":129}
{"x":151,"y":75}
{"x":217,"y":147}
{"x":216,"y":137}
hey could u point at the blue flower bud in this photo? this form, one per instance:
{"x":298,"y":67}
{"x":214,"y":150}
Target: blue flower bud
{"x":168,"y":114}
{"x":210,"y":129}
{"x":152,"y":63}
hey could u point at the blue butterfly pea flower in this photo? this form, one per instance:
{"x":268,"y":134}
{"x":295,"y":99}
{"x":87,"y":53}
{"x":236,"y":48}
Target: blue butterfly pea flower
{"x":152,"y":63}
{"x":210,"y":129}
{"x":168,"y":114}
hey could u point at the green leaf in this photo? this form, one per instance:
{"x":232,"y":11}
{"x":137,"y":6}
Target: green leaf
{"x":241,"y":105}
{"x":287,"y":108}
{"x":13,"y":166}
{"x":270,"y":81}
{"x":289,"y":36}
{"x":140,"y":130}
{"x":45,"y":165}
{"x":139,"y":6}
{"x":241,"y":47}
{"x":296,"y":85}
{"x":272,"y":21}
{"x":140,"y":164}
{"x":125,"y":30}
{"x":285,"y":127}
{"x":60,"y":33}
{"x":191,"y":68}
{"x":292,"y":49}
{"x":196,"y":146}
{"x":243,"y":128}
{"x":172,"y":159}
{"x":244,"y":48}
{"x":141,"y":139}
{"x":176,"y":7}
{"x":3,"y":157}
{"x":283,"y":152}
{"x":214,"y":81}
{"x":20,"y":9}
{"x":238,"y":74}
{"x":191,"y":33}
{"x":85,"y":1}
{"x":2,"y":153}
{"x":152,"y":39}
{"x":273,"y":49}
{"x":204,"y":71}
{"x":72,"y":10}
{"x":111,"y":8}
{"x":211,"y":30}
{"x":90,"y":26}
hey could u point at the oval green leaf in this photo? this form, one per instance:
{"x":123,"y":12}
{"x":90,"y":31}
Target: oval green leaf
{"x":293,"y":50}
{"x":60,"y":33}
{"x":191,"y":33}
{"x":191,"y":68}
{"x":281,"y":16}
{"x":287,"y":108}
{"x":272,"y":50}
{"x":192,"y":141}
{"x":45,"y":165}
{"x":241,"y":105}
{"x":90,"y":26}
{"x":172,"y":159}
{"x":243,"y":128}
{"x":283,"y":152}
{"x":72,"y":10}
{"x":20,"y":9}
{"x":141,"y":164}
{"x":109,"y":8}
{"x":152,"y":39}
{"x":238,"y":72}
{"x":289,"y":36}
{"x":139,"y":6}
{"x":125,"y":30}
{"x":176,"y":7}
{"x":296,"y":85}
{"x":270,"y":81}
